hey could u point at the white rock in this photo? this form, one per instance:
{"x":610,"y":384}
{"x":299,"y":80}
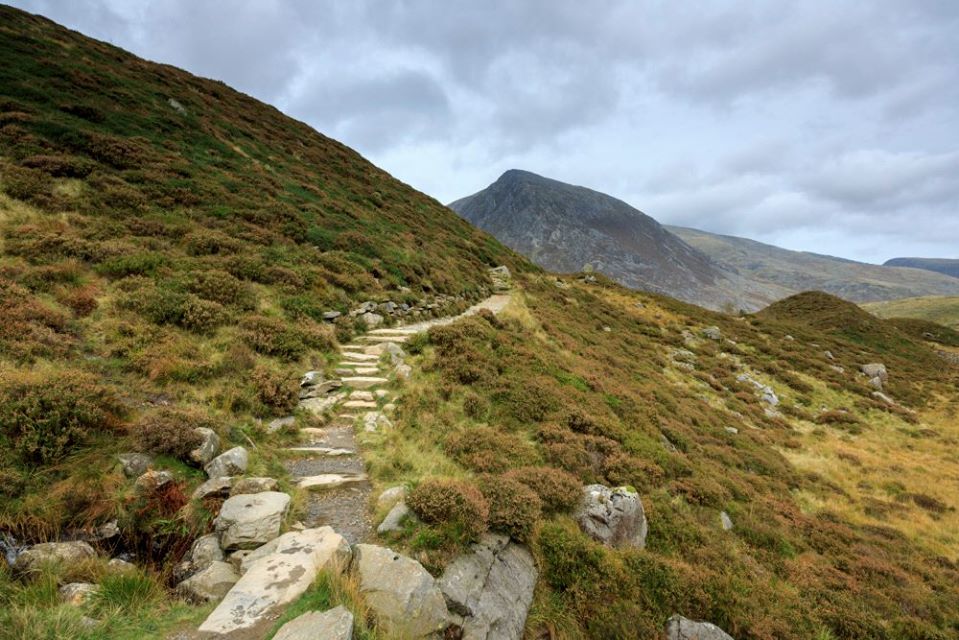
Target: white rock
{"x":613,"y":516}
{"x":394,"y":519}
{"x":253,"y":485}
{"x":335,"y":624}
{"x":205,"y":551}
{"x":209,"y":584}
{"x":390,"y":497}
{"x":228,"y":463}
{"x":680,"y":628}
{"x":209,"y":446}
{"x":247,"y":521}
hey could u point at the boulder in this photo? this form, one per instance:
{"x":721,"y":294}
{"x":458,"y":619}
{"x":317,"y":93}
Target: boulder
{"x":253,"y":485}
{"x":403,"y":371}
{"x":397,"y":355}
{"x":725,"y":521}
{"x":278,"y":578}
{"x":76,"y":593}
{"x":209,"y":584}
{"x":613,"y":516}
{"x":134,"y":464}
{"x":372,"y":320}
{"x":394,"y":519}
{"x":713,"y":333}
{"x":335,"y":624}
{"x":680,"y":628}
{"x":214,"y":487}
{"x":492,"y":588}
{"x":279,"y":423}
{"x":205,"y":551}
{"x":53,"y":552}
{"x":245,"y":559}
{"x":875,"y":370}
{"x":375,"y":420}
{"x":876,"y":383}
{"x":208,"y":448}
{"x":247,"y":521}
{"x":401,"y":594}
{"x":152,"y":480}
{"x":228,"y":463}
{"x":390,"y":497}
{"x":501,"y":277}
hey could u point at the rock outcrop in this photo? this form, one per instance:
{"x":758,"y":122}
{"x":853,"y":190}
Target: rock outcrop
{"x":613,"y":516}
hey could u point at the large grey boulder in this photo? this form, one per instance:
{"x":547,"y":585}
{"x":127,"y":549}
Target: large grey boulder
{"x":335,"y":624}
{"x":401,"y":594}
{"x":134,"y":464}
{"x":205,"y":551}
{"x":247,"y":521}
{"x":53,"y":552}
{"x":875,"y":370}
{"x":210,"y":583}
{"x":208,"y":448}
{"x":228,"y":463}
{"x":613,"y":516}
{"x":278,"y":578}
{"x":680,"y":628}
{"x":492,"y":588}
{"x":214,"y":487}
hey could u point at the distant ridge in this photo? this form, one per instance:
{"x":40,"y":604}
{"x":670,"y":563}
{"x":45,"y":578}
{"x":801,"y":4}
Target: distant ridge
{"x":950,"y":267}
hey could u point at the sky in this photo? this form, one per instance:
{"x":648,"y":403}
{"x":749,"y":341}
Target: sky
{"x":820,"y":125}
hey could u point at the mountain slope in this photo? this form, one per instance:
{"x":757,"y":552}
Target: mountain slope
{"x":943,"y":310}
{"x":566,"y":228}
{"x":939,"y":265}
{"x":801,"y":271}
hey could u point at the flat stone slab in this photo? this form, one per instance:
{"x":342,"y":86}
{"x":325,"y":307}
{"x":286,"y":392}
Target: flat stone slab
{"x":364,"y":382}
{"x":322,"y":451}
{"x":394,"y":338}
{"x":400,"y":331}
{"x":278,"y":578}
{"x":359,"y":357}
{"x":359,"y":404}
{"x":329,"y":480}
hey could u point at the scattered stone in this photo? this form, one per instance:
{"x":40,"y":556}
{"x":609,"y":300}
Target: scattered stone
{"x":614,"y":517}
{"x":680,"y":628}
{"x":492,"y":588}
{"x":253,"y":485}
{"x":119,"y":565}
{"x":52,"y":552}
{"x":732,"y":430}
{"x":279,"y":423}
{"x":788,"y":338}
{"x":279,"y":578}
{"x":152,"y":480}
{"x":329,"y":480}
{"x":397,"y":355}
{"x":879,"y":395}
{"x":209,"y":446}
{"x":205,"y":551}
{"x":607,"y":329}
{"x":725,"y":521}
{"x":401,"y":594}
{"x":829,"y":355}
{"x":374,"y":420}
{"x":76,"y":593}
{"x":214,"y":487}
{"x":389,"y":407}
{"x":243,"y":560}
{"x":229,"y":463}
{"x":713,"y":333}
{"x":106,"y":531}
{"x":381,"y":393}
{"x":394,"y":519}
{"x":134,"y":464}
{"x":372,"y":320}
{"x":837,"y":368}
{"x":875,"y":370}
{"x":391,"y":496}
{"x":335,"y":624}
{"x":175,"y":104}
{"x":667,"y":444}
{"x":330,"y":316}
{"x":683,"y":355}
{"x":403,"y":371}
{"x":312,"y":378}
{"x":766,"y":393}
{"x":320,"y":389}
{"x":876,"y":383}
{"x":319,"y":406}
{"x":247,"y":521}
{"x":209,"y":584}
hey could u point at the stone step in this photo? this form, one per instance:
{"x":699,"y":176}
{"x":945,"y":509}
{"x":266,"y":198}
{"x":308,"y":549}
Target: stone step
{"x":396,"y":331}
{"x":366,"y":396}
{"x":364,"y":382}
{"x":322,"y":451}
{"x":358,"y":404}
{"x":372,"y":338}
{"x":330,"y":480}
{"x":356,"y":356}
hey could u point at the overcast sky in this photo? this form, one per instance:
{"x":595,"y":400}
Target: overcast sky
{"x":827,"y":126}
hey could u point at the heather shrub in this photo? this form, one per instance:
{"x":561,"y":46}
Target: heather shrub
{"x":558,"y":490}
{"x":487,"y":450}
{"x":450,"y":502}
{"x":283,"y":339}
{"x":45,"y":417}
{"x":170,"y":431}
{"x":513,"y":507}
{"x":474,"y":405}
{"x":29,"y":185}
{"x":275,"y":390}
{"x":223,"y":288}
{"x":206,"y":242}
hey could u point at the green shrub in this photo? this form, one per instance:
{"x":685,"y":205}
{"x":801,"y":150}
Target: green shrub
{"x":283,"y":339}
{"x":29,"y":185}
{"x":452,"y":503}
{"x":513,"y":507}
{"x":135,"y":264}
{"x":207,"y":242}
{"x":558,"y":490}
{"x":223,"y":288}
{"x":170,"y":431}
{"x":47,"y":417}
{"x":485,"y":449}
{"x":275,"y":390}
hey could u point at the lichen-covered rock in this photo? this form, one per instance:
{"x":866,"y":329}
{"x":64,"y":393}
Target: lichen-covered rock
{"x":401,"y":594}
{"x":394,"y":519}
{"x":209,"y":584}
{"x":614,"y":517}
{"x":208,"y":448}
{"x":680,"y":628}
{"x":875,"y":370}
{"x":214,"y":488}
{"x":390,"y":497}
{"x":253,"y":485}
{"x":278,"y":578}
{"x":228,"y":463}
{"x":492,"y":588}
{"x":53,"y":552}
{"x":134,"y":464}
{"x":152,"y":480}
{"x":247,"y":521}
{"x":77,"y":593}
{"x":335,"y":624}
{"x":205,"y":551}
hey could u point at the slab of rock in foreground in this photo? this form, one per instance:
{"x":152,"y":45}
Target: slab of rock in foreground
{"x":335,"y":624}
{"x":680,"y":628}
{"x":278,"y":578}
{"x":402,"y":595}
{"x":614,"y":517}
{"x":247,"y":521}
{"x":492,"y":588}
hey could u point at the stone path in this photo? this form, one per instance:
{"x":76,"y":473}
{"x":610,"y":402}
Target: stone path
{"x":327,"y":462}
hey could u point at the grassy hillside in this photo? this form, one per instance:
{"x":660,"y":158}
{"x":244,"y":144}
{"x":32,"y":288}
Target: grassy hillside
{"x":942,"y":310}
{"x":843,"y":526}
